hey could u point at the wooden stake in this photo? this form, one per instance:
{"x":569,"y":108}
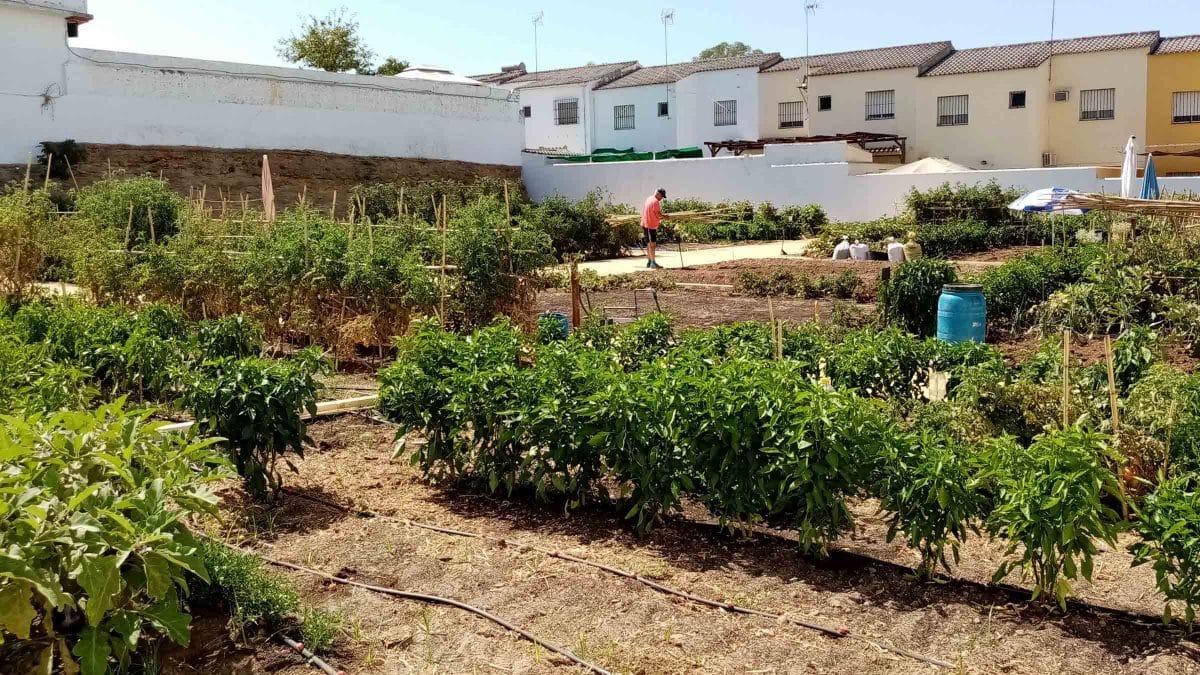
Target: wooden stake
{"x":1112,"y":386}
{"x":150,"y":219}
{"x":49,"y":163}
{"x":443,"y":222}
{"x":129,"y":228}
{"x":771,"y":312}
{"x":576,"y":305}
{"x":333,"y":207}
{"x":28,"y":169}
{"x":371,"y":236}
{"x":507,"y":208}
{"x":1066,"y":373}
{"x":403,"y":212}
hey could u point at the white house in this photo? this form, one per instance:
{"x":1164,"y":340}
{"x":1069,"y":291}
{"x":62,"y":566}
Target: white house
{"x":556,"y":105}
{"x":681,"y":105}
{"x":51,"y":91}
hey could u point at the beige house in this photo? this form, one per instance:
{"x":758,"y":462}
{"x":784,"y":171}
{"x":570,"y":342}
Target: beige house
{"x":872,"y":90}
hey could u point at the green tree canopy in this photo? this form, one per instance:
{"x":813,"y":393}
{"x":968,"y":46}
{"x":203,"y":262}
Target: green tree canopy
{"x":726,"y":49}
{"x":331,"y":43}
{"x":391,"y":66}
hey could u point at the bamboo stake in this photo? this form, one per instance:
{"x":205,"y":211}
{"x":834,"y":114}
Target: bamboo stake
{"x":49,"y":163}
{"x":1066,"y":386}
{"x":333,"y":207}
{"x":150,"y":219}
{"x":28,"y":169}
{"x":129,"y":228}
{"x":771,"y":312}
{"x":576,"y":303}
{"x":443,"y":221}
{"x":1116,"y":417}
{"x":371,"y":237}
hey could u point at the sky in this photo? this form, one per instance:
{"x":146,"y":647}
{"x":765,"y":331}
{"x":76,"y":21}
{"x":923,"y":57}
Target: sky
{"x":478,"y":36}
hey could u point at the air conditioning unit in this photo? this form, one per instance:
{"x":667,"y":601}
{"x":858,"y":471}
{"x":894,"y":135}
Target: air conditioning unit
{"x":1049,"y":159}
{"x":1062,"y":95}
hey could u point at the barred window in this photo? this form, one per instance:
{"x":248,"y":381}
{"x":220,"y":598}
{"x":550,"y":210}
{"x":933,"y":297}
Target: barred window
{"x":663,"y":109}
{"x":1097,"y":104}
{"x":881,"y":105}
{"x":725,"y":113}
{"x":566,"y":111}
{"x":790,"y":115}
{"x":1185,"y":107}
{"x":622,"y":117}
{"x":952,"y":110}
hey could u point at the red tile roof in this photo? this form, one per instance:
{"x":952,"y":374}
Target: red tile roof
{"x":1033,"y":54}
{"x":883,"y":58}
{"x":677,"y":71}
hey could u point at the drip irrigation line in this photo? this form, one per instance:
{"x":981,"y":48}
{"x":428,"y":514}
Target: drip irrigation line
{"x":312,"y":659}
{"x":838,"y":632}
{"x":433,"y":600}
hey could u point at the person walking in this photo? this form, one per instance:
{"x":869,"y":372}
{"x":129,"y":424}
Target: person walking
{"x":651,"y":218}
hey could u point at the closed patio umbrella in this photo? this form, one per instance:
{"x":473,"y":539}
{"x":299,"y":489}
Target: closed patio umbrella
{"x":1150,"y":180}
{"x":1129,"y":169}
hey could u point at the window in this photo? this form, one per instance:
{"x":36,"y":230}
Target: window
{"x":881,"y":105}
{"x":952,"y":110}
{"x":824,"y":103}
{"x":566,"y":111}
{"x":725,"y":113}
{"x":527,"y":111}
{"x":1016,"y":99}
{"x":1097,"y":104}
{"x":1185,"y":107}
{"x":663,"y":109}
{"x":790,"y":115}
{"x":622,"y":117}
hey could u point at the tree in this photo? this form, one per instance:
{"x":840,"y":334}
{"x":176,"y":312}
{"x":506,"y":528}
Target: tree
{"x":391,"y":66}
{"x":726,"y":49}
{"x":331,"y":44}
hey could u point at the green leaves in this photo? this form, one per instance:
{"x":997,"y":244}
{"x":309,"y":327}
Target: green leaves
{"x":102,"y":581}
{"x":16,"y":609}
{"x":93,"y":651}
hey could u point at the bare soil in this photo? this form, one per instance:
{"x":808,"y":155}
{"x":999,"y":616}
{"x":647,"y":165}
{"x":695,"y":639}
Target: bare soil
{"x":865,"y":585}
{"x":230,"y":174}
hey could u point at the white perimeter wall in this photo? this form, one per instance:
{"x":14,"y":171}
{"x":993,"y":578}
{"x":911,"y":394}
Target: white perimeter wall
{"x":650,"y":131}
{"x":48,"y":92}
{"x":786,"y":175}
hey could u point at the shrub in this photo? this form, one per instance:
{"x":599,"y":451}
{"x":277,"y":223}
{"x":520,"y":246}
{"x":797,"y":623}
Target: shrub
{"x":239,"y":581}
{"x":955,"y":237}
{"x":27,"y":238}
{"x":581,"y":227}
{"x":62,"y":156}
{"x":235,"y":335}
{"x":1016,"y":286}
{"x":910,"y":298}
{"x":802,"y":221}
{"x":1049,"y":502}
{"x":1165,"y":403}
{"x":885,"y":363}
{"x":128,"y":206}
{"x":644,"y":340}
{"x":986,"y":203}
{"x":256,"y":406}
{"x":1168,"y":521}
{"x":94,"y":513}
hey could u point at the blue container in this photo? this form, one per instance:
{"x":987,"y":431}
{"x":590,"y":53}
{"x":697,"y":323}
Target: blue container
{"x":962,"y":313}
{"x":562,"y":324}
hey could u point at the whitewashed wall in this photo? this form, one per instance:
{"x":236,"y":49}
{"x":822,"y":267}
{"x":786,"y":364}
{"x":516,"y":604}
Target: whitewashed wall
{"x":51,"y":92}
{"x":541,"y":133}
{"x":650,"y":131}
{"x":790,"y":174}
{"x":696,"y":95}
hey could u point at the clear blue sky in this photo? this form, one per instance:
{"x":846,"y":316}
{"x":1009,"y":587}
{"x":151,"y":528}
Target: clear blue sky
{"x":476,"y":36}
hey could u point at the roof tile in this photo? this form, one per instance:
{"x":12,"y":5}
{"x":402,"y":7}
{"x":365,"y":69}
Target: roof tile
{"x":677,"y":71}
{"x":1033,"y":54}
{"x":603,"y":72}
{"x":884,"y":58}
{"x":1178,"y":45}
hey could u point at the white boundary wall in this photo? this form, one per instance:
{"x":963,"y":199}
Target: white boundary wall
{"x":785,"y":175}
{"x":49,"y":91}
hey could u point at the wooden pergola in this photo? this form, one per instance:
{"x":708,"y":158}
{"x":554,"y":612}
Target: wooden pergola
{"x":876,"y":144}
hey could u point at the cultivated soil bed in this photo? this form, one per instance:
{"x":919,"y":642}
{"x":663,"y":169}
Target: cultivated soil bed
{"x":622,"y":625}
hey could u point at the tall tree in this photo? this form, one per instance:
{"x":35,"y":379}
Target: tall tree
{"x":391,"y":66}
{"x":331,"y":43}
{"x":725,"y":49}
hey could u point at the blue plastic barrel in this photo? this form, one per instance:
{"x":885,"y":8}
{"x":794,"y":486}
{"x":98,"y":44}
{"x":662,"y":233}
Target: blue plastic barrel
{"x":562,"y":322}
{"x":962,"y":313}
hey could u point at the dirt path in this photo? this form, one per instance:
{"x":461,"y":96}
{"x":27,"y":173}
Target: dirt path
{"x":628,"y":627}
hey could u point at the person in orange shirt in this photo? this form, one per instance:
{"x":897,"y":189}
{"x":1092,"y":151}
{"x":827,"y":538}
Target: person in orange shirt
{"x":651,"y":218}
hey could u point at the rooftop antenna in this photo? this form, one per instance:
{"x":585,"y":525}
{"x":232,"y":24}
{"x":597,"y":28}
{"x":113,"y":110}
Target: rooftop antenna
{"x":668,"y":19}
{"x":537,"y":22}
{"x":810,"y":9}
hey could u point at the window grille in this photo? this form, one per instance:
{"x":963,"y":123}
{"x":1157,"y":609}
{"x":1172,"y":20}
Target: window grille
{"x":1185,"y":107}
{"x":622,"y":117}
{"x":791,"y":115}
{"x":881,"y":105}
{"x":566,"y":111}
{"x":952,"y":110}
{"x":1097,"y":104}
{"x":725,"y":113}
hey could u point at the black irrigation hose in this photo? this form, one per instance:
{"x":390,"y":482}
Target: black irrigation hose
{"x":839,"y":632}
{"x":435,"y":600}
{"x":312,"y":659}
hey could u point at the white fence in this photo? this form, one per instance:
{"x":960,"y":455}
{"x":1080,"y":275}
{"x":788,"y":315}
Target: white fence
{"x":51,"y":91}
{"x":790,"y":175}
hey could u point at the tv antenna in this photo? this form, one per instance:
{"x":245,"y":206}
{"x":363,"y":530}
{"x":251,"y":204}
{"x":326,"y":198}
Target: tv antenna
{"x":537,"y":22}
{"x":668,"y":19}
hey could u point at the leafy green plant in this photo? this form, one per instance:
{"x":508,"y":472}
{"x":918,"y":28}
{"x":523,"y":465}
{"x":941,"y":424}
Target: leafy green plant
{"x":93,"y":536}
{"x":1168,"y":521}
{"x":61,"y":156}
{"x":26,"y":238}
{"x":644,"y":340}
{"x":910,"y":298}
{"x":1049,"y":503}
{"x":240,"y":582}
{"x":320,"y":629}
{"x":129,"y":206}
{"x":256,"y":406}
{"x":235,"y":335}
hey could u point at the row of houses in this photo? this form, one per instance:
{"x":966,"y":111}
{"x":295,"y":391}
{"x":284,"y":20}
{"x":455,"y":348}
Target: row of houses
{"x":1062,"y":103}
